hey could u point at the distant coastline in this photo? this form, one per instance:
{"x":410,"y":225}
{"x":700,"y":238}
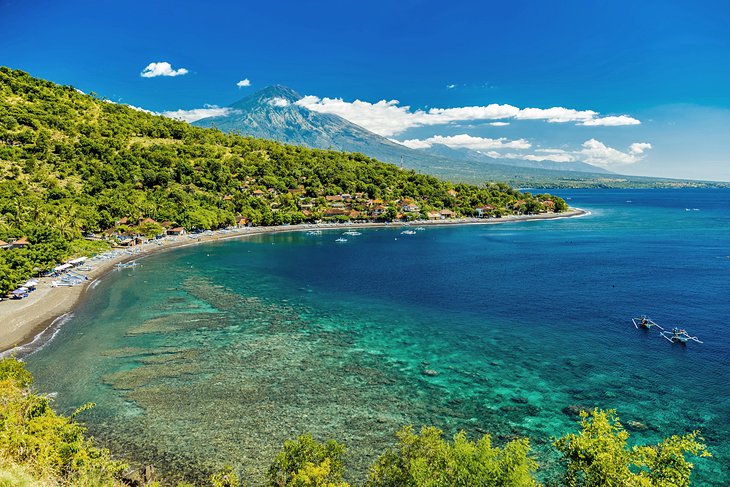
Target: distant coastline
{"x":29,"y":323}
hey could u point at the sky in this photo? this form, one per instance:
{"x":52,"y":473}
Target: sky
{"x":633,"y":87}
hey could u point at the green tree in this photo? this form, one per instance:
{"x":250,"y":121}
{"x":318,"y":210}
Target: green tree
{"x":427,"y":460}
{"x":599,"y":456}
{"x":305,"y":462}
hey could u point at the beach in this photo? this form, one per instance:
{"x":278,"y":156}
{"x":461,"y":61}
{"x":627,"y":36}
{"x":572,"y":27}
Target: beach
{"x":25,"y":320}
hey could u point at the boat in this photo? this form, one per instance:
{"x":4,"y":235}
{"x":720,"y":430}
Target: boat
{"x":351,"y":232}
{"x":408,"y":232}
{"x":420,"y":229}
{"x":645,"y":323}
{"x":341,"y":239}
{"x":679,"y":335}
{"x":125,"y":265}
{"x":314,"y":232}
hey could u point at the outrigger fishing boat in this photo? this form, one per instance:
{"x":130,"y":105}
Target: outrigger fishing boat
{"x":678,"y":335}
{"x":645,"y":323}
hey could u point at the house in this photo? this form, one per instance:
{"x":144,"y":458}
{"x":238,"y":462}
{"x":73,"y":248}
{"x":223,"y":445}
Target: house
{"x":242,"y":221}
{"x":3,"y":244}
{"x":378,"y":210}
{"x":123,"y":221}
{"x":409,"y":207}
{"x":334,"y":197}
{"x":258,"y":193}
{"x":433,"y":215}
{"x":166,"y":224}
{"x":446,"y":214}
{"x":549,"y":205}
{"x":21,"y":243}
{"x":146,"y":220}
{"x":452,"y":193}
{"x":176,"y":231}
{"x":482,"y":211}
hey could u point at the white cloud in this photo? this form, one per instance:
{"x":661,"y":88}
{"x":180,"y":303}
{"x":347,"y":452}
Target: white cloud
{"x":499,"y":124}
{"x":450,"y":87}
{"x":198,"y":113}
{"x":278,"y":102}
{"x":555,"y":114}
{"x":599,"y":154}
{"x":465,"y":141}
{"x":639,"y":147}
{"x":161,"y":69}
{"x":592,"y":152}
{"x":612,"y":121}
{"x":389,"y":118}
{"x":243,"y":83}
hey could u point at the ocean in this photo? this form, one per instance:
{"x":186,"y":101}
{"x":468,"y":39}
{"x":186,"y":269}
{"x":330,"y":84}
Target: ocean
{"x":217,"y":353}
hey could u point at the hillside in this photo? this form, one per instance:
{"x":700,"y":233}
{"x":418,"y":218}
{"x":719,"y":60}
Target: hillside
{"x":71,"y":164}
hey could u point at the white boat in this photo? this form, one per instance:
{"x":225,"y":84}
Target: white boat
{"x":408,"y":232}
{"x":352,"y":232}
{"x":314,"y":232}
{"x":341,"y":239}
{"x":420,"y":229}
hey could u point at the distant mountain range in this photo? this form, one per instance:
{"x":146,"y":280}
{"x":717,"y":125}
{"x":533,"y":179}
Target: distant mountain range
{"x":272,"y":113}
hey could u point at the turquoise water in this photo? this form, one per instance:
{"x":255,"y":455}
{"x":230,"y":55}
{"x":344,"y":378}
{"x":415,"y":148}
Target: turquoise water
{"x":218,"y":353}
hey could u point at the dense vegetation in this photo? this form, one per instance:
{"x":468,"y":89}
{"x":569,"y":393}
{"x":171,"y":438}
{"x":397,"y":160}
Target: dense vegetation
{"x":72,"y":164}
{"x":39,"y":448}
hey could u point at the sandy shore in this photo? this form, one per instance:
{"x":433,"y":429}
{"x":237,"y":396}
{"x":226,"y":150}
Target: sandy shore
{"x":22,"y":321}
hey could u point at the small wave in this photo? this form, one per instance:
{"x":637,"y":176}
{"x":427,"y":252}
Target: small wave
{"x":40,"y":340}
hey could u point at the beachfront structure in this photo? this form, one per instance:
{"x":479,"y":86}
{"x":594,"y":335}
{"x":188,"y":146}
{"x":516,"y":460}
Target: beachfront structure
{"x":21,"y":243}
{"x":176,"y":231}
{"x":433,"y":215}
{"x":447,"y":214}
{"x":482,"y":211}
{"x":409,"y":207}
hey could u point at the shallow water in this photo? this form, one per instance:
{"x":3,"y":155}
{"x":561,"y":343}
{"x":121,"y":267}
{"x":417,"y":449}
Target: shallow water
{"x":217,"y":353}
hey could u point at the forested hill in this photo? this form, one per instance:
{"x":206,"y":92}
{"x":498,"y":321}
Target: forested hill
{"x":71,"y":163}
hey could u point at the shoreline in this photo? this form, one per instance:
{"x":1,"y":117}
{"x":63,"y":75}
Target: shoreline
{"x":29,"y":323}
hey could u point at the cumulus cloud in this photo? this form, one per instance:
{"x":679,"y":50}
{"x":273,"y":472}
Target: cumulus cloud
{"x":243,"y":83}
{"x":612,"y":121}
{"x":465,"y":141}
{"x":639,"y":147}
{"x":278,"y":101}
{"x":591,"y":151}
{"x":198,"y":113}
{"x":161,"y":69}
{"x":389,"y":118}
{"x":599,"y":154}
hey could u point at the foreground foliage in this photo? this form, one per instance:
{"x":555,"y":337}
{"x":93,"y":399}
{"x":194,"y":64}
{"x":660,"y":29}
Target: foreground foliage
{"x":40,"y":448}
{"x":599,"y":456}
{"x":36,"y":443}
{"x":427,"y":460}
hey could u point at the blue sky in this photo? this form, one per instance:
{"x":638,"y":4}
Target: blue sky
{"x":663,"y":66}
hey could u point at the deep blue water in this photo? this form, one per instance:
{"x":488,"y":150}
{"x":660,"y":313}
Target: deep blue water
{"x":217,"y":353}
